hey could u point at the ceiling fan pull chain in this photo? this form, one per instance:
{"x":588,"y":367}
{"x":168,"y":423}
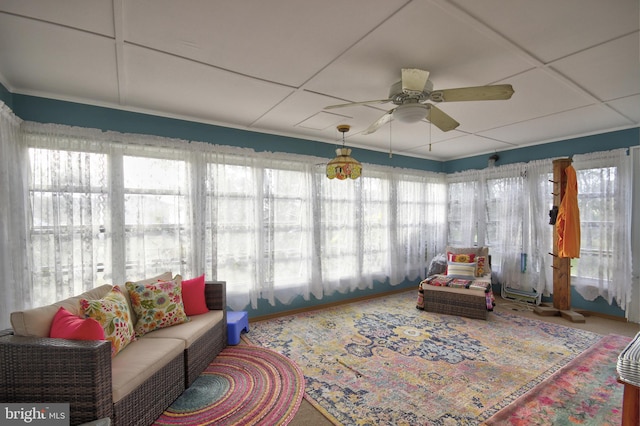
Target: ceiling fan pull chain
{"x":390,"y":135}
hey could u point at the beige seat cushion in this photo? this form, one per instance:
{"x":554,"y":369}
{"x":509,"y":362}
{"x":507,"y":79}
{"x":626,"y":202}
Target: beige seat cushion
{"x":36,"y":322}
{"x":190,"y":331}
{"x":139,"y":361}
{"x":473,"y":291}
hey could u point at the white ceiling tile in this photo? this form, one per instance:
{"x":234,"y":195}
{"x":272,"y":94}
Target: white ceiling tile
{"x":557,"y":126}
{"x":166,"y":83}
{"x":605,"y":70}
{"x":463,"y":146}
{"x":552,"y":29}
{"x":273,"y":66}
{"x":89,"y":15}
{"x":49,"y":59}
{"x":422,"y":36}
{"x":628,"y":107}
{"x":407,"y":138}
{"x":302,"y":107}
{"x":283,"y":41}
{"x":537,"y":93}
{"x":321,"y":121}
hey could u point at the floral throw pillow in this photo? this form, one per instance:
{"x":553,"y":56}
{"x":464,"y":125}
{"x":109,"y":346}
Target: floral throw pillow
{"x":157,"y":305}
{"x":481,"y":260}
{"x":461,"y":257}
{"x":112,"y":312}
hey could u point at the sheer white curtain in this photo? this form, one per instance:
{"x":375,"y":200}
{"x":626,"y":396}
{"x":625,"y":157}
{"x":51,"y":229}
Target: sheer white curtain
{"x":539,"y":240}
{"x":156,"y":189}
{"x":106,"y":207}
{"x":69,"y":209}
{"x":506,"y":204}
{"x":233,"y":213}
{"x":420,"y":224}
{"x":604,"y":199}
{"x":377,"y":233}
{"x":340,"y":234}
{"x":259,"y":226}
{"x":463,"y":198}
{"x":111,"y":207}
{"x":514,"y":201}
{"x":15,"y":279}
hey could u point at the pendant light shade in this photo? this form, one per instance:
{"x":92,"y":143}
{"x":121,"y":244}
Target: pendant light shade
{"x":344,"y":166}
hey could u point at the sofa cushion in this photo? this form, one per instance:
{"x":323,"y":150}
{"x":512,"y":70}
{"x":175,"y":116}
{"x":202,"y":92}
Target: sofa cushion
{"x":139,"y":361}
{"x":66,"y":325}
{"x":157,"y":305}
{"x":190,"y":331}
{"x":37,"y":322}
{"x":193,"y":296}
{"x":112,"y":311}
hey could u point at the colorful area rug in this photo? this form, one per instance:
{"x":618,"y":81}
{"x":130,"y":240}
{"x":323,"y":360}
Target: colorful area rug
{"x":244,"y":385}
{"x":383,"y":361}
{"x":584,"y":392}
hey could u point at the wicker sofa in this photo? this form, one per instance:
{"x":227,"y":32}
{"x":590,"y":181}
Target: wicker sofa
{"x":131,"y":388}
{"x":444,"y":292}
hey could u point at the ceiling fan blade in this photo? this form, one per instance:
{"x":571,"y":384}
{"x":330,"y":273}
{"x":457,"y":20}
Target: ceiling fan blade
{"x":496,"y":92}
{"x":377,"y":101}
{"x":441,"y":119}
{"x":379,"y":122}
{"x":414,"y":80}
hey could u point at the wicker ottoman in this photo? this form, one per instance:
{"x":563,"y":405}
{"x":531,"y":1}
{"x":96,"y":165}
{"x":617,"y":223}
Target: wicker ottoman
{"x":470,"y":303}
{"x":629,"y":375}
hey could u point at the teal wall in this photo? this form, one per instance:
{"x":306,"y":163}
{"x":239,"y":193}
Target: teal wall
{"x":44,"y":110}
{"x":6,"y":96}
{"x":566,"y":148}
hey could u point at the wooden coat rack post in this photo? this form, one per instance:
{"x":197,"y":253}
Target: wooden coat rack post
{"x":561,"y":265}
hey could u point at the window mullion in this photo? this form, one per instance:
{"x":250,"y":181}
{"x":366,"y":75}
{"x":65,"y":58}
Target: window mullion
{"x":117,"y":232}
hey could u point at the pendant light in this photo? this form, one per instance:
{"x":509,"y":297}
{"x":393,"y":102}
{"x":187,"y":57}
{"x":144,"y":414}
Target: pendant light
{"x":344,"y":166}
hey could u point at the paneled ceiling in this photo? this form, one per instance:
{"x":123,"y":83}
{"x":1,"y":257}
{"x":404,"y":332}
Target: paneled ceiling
{"x":272,"y":66}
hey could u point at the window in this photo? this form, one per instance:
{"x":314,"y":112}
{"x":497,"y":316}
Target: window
{"x":597,"y":224}
{"x":112,"y":208}
{"x":376,"y":210}
{"x":339,"y":234}
{"x":69,"y":198}
{"x":288,"y":228}
{"x":156,"y":217}
{"x":462,"y":222}
{"x":232,"y":219}
{"x":421,"y":209}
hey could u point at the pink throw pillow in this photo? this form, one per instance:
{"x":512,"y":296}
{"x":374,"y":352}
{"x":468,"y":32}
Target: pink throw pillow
{"x":193,"y":296}
{"x":66,"y":325}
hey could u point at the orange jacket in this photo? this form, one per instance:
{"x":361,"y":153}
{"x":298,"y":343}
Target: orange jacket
{"x":568,"y":221}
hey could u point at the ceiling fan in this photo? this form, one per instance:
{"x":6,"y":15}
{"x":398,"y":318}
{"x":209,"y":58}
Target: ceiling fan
{"x":412,"y":93}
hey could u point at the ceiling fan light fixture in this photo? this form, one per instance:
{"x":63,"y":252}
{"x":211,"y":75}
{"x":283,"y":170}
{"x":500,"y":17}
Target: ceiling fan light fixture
{"x":411,"y":113}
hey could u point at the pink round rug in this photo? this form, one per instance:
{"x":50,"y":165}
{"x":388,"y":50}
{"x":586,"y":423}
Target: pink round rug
{"x":244,"y":385}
